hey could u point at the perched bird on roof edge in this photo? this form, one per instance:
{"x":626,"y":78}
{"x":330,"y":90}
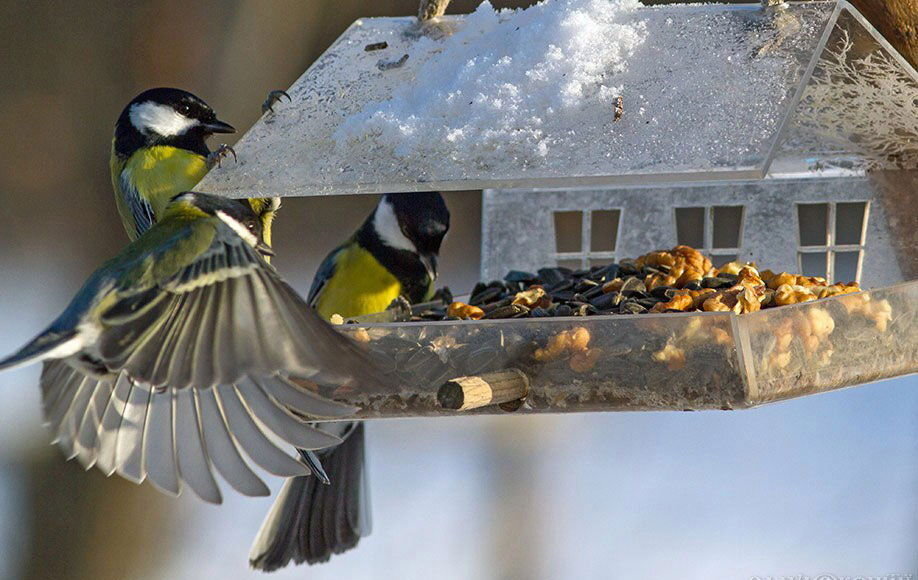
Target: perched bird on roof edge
{"x":393,"y":254}
{"x":160,"y":150}
{"x":171,"y":349}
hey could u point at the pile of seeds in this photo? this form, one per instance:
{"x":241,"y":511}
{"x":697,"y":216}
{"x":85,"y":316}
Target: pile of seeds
{"x":677,"y":280}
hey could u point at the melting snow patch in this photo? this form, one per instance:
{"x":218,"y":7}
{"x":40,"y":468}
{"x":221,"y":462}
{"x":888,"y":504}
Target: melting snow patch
{"x":495,"y":85}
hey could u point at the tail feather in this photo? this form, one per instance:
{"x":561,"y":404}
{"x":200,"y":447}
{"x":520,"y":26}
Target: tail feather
{"x":46,"y":345}
{"x":310,"y":520}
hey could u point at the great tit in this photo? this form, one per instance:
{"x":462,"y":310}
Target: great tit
{"x":394,"y":253}
{"x":160,"y":150}
{"x":163,"y":361}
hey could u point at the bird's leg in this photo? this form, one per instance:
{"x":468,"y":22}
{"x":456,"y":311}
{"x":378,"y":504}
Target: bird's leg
{"x":273,"y":97}
{"x":401,"y":308}
{"x":216,"y":157}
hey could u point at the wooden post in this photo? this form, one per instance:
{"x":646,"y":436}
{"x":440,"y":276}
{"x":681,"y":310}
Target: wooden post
{"x":496,"y":388}
{"x":897,"y":21}
{"x":430,"y":9}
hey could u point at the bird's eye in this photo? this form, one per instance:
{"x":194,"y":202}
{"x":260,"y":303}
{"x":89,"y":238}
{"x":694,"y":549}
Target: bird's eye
{"x":184,"y":109}
{"x":251,"y":226}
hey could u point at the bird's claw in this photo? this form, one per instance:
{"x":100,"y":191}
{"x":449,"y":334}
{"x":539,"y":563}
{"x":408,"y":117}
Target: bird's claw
{"x":401,"y":308}
{"x":222,"y":152}
{"x":274,"y":97}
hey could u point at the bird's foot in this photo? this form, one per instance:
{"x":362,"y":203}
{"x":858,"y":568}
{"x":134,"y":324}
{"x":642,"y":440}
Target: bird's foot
{"x":400,"y":308}
{"x":273,"y":98}
{"x":221,"y":153}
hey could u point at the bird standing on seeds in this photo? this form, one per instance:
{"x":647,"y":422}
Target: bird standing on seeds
{"x":172,"y":349}
{"x":393,"y":254}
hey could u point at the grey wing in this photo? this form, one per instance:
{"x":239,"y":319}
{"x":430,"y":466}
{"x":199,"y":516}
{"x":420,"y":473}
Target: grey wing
{"x":323,"y":274}
{"x":176,"y":438}
{"x":225,"y":316}
{"x":139,"y":207}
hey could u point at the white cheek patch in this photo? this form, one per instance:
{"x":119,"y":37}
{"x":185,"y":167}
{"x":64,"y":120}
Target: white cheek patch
{"x":150,"y":117}
{"x":386,"y":224}
{"x":242,"y":231}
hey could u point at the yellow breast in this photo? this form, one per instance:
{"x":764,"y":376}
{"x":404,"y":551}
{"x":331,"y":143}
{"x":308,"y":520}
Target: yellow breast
{"x":359,"y":286}
{"x":160,"y":173}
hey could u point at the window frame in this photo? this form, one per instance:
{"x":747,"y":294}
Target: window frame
{"x":707,"y":235}
{"x":586,"y":236}
{"x":831,"y":248}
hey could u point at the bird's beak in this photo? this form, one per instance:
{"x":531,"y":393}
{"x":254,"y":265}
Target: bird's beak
{"x":430,"y":264}
{"x":218,"y":126}
{"x":264,"y":249}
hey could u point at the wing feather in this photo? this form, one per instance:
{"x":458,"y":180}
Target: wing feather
{"x":323,"y":275}
{"x":280,"y":421}
{"x":111,"y":423}
{"x":222,"y":449}
{"x":53,"y":373}
{"x":189,"y":449}
{"x":301,"y":399}
{"x":70,"y":426}
{"x":182,"y":365}
{"x":252,"y":440}
{"x":159,"y":444}
{"x":167,"y":337}
{"x":129,"y":448}
{"x":203,"y":357}
{"x":55,"y":413}
{"x":89,"y":428}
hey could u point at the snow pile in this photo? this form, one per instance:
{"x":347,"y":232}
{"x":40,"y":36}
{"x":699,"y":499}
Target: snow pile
{"x":498,"y":81}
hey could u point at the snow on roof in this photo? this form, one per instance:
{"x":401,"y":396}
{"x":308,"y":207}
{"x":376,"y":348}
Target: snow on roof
{"x":530,"y":98}
{"x":506,"y":80}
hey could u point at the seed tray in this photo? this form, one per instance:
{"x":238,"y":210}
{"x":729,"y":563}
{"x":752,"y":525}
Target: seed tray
{"x":666,"y":361}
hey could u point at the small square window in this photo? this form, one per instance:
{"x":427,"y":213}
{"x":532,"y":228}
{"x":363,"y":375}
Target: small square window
{"x":846,"y":264}
{"x":728,"y":221}
{"x":568,"y":231}
{"x":849,"y":223}
{"x":813,"y":264}
{"x":690,"y":226}
{"x":813,"y":221}
{"x":604,"y":230}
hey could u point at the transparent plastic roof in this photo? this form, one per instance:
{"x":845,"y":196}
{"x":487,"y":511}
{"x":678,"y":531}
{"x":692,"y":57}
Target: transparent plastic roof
{"x":859,"y":108}
{"x":706,"y":92}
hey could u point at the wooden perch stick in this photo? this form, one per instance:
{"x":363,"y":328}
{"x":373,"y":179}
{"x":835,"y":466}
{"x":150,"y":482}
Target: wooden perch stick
{"x":498,"y":387}
{"x":429,"y":9}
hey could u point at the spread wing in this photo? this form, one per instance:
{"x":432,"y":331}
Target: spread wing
{"x":173,"y":436}
{"x":323,"y":275}
{"x":214,"y":316}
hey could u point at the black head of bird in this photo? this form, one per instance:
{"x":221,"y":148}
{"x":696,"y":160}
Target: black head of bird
{"x":167,"y":116}
{"x":416,"y":222}
{"x":236,"y":213}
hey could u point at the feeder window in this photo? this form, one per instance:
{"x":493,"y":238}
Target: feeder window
{"x":585,"y":238}
{"x":718,"y":230}
{"x":831,"y":239}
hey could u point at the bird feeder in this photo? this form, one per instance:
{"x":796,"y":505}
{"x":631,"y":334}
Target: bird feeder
{"x":748,"y":131}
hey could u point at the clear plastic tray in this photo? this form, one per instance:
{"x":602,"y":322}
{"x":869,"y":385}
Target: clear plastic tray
{"x":828,"y":344}
{"x":690,"y":361}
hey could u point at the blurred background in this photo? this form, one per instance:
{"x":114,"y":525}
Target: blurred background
{"x":823,"y":485}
